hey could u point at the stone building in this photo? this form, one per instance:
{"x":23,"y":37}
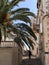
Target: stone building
{"x":43,"y":20}
{"x":35,"y":29}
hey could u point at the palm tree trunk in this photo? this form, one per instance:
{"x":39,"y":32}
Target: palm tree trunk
{"x":0,"y":36}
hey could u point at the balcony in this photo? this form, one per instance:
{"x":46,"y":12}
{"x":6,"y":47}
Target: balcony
{"x":8,"y":44}
{"x":10,"y":53}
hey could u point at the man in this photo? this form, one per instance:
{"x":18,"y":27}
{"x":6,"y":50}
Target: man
{"x":29,"y":54}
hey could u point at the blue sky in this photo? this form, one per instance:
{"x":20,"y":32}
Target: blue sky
{"x":31,"y":4}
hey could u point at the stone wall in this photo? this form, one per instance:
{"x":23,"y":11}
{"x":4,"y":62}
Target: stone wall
{"x":43,"y":12}
{"x":46,"y":59}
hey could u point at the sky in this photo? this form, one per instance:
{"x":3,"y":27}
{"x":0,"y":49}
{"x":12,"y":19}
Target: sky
{"x":31,"y":4}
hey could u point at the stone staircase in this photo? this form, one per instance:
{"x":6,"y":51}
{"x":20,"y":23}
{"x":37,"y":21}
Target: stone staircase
{"x":31,"y":62}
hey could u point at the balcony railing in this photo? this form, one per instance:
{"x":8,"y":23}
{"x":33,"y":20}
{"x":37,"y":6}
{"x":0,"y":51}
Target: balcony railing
{"x":8,"y":44}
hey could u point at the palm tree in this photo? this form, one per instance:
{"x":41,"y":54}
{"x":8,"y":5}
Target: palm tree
{"x":8,"y":15}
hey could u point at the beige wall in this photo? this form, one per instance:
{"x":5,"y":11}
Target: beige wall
{"x":10,"y":55}
{"x":46,"y":30}
{"x":46,"y":38}
{"x":44,"y":6}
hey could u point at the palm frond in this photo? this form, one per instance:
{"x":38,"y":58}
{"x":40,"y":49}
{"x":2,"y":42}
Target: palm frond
{"x":18,"y":41}
{"x":24,"y":37}
{"x":25,"y":41}
{"x":20,"y":10}
{"x":21,"y":36}
{"x":12,"y":4}
{"x":26,"y":28}
{"x":3,"y":3}
{"x":29,"y":14}
{"x":22,"y":18}
{"x":30,"y":42}
{"x":15,"y":2}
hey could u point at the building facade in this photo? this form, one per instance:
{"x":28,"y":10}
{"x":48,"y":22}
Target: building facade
{"x":35,"y":29}
{"x":43,"y":19}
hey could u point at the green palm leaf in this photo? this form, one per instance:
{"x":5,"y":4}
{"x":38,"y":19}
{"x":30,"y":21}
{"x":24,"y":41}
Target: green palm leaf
{"x":12,"y":4}
{"x":22,"y":18}
{"x":30,"y":42}
{"x":15,"y":2}
{"x":27,"y":41}
{"x":19,"y":10}
{"x":26,"y":28}
{"x":23,"y":36}
{"x":3,"y":3}
{"x":29,"y":14}
{"x":18,"y":41}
